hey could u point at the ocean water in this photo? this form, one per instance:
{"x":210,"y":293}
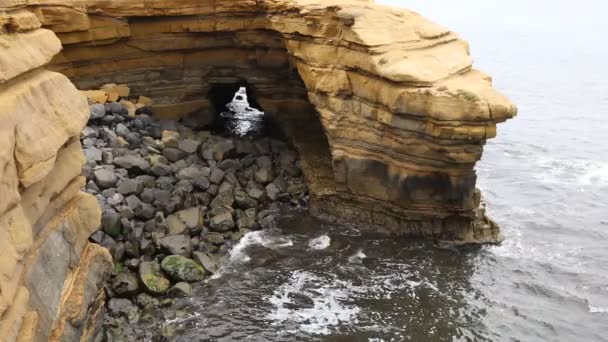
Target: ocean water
{"x":545,"y":178}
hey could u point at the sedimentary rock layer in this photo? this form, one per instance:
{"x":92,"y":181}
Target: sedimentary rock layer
{"x":404,"y":114}
{"x":45,"y":221}
{"x":384,"y":107}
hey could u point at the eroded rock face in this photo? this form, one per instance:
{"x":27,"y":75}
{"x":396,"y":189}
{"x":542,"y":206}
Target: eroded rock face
{"x":51,"y":278}
{"x":384,"y":106}
{"x":387,"y":113}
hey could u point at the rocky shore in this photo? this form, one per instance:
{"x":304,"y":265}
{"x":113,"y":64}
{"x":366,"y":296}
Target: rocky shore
{"x":175,"y":199}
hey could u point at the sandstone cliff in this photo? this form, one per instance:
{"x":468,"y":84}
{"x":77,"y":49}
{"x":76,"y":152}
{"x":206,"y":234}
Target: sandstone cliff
{"x":50,"y":275}
{"x":384,"y":106}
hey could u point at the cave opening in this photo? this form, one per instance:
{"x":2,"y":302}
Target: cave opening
{"x":237,"y":111}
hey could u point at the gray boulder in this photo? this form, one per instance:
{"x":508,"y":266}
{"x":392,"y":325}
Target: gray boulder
{"x":105,"y":178}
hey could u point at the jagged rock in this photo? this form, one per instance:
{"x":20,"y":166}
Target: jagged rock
{"x":182,"y":269}
{"x":152,"y":278}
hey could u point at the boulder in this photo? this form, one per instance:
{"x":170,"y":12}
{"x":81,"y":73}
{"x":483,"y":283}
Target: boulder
{"x":152,"y":278}
{"x":188,"y":145}
{"x":222,"y":221}
{"x":177,"y":244}
{"x":130,"y":186}
{"x":125,"y":284}
{"x":110,"y":221}
{"x":105,"y":178}
{"x":209,"y":262}
{"x":174,"y":154}
{"x":175,"y":225}
{"x":182,"y":269}
{"x":132,"y":162}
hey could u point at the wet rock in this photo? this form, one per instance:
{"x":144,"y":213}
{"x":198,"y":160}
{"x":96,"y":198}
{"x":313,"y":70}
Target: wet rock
{"x":132,"y":162}
{"x":174,"y":154}
{"x":110,"y":221}
{"x":125,"y":284}
{"x":152,"y":278}
{"x":209,"y":263}
{"x":177,"y":244}
{"x":105,"y":178}
{"x":182,"y":269}
{"x":180,"y":290}
{"x":121,"y":307}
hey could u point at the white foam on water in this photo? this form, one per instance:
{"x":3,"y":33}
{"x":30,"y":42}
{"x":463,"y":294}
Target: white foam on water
{"x":357,"y":257}
{"x":596,"y":174}
{"x":320,"y":243}
{"x":572,"y":171}
{"x":327,"y":310}
{"x":259,"y":237}
{"x":597,"y":309}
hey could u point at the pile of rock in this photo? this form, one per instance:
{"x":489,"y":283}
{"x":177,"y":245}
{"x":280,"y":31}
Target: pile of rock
{"x":176,"y":198}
